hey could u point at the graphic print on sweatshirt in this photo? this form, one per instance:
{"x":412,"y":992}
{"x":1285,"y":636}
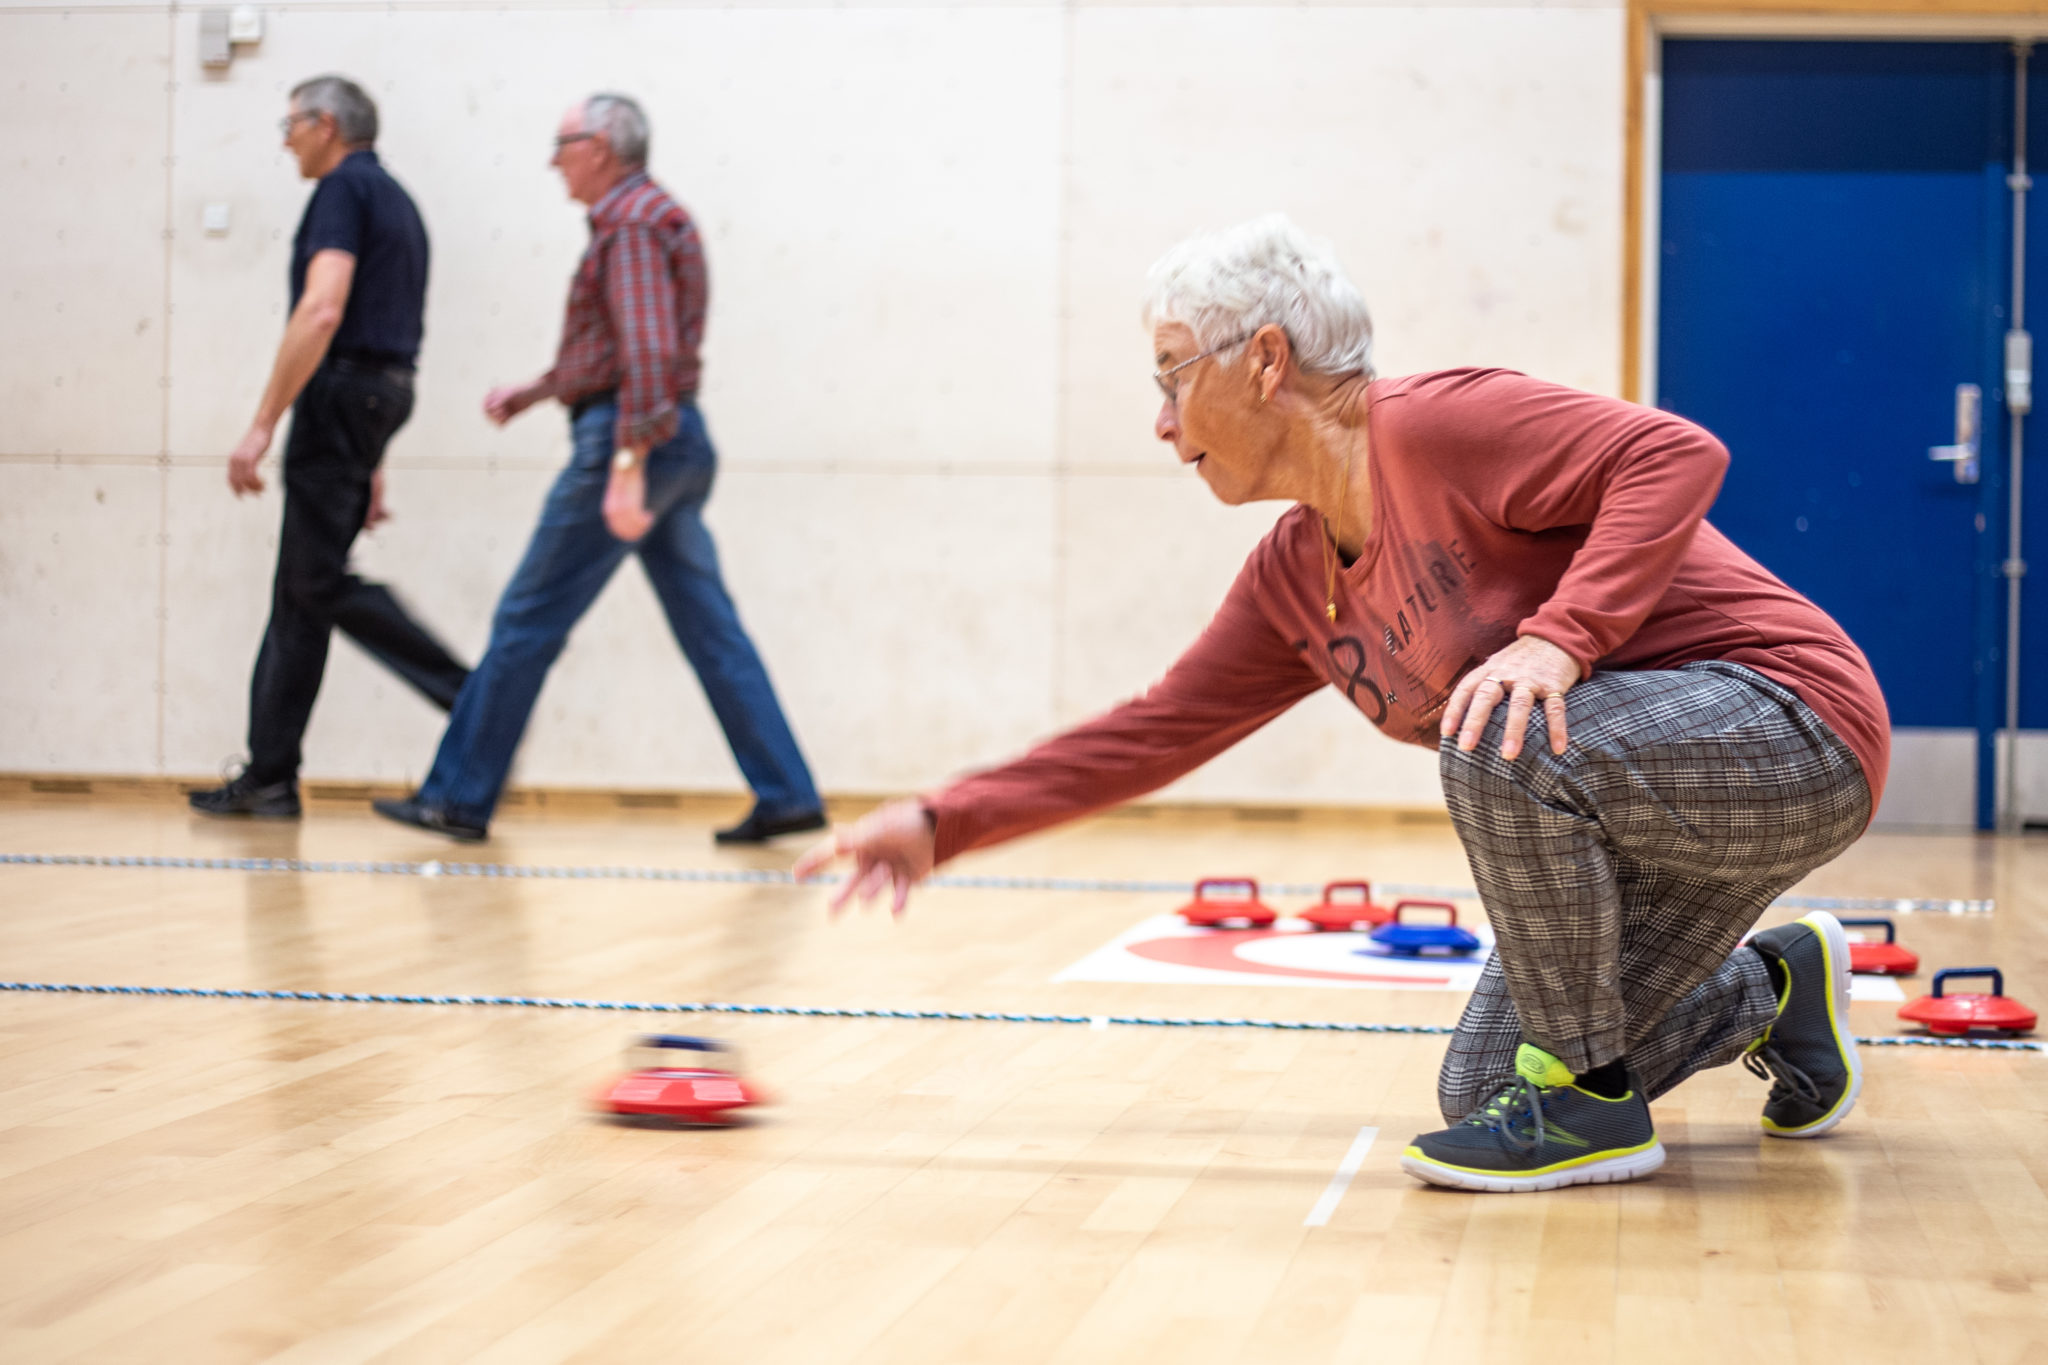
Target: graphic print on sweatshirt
{"x":1404,"y":638}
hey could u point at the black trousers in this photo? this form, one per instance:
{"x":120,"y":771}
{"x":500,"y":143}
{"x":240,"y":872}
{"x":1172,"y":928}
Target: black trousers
{"x":345,"y":417}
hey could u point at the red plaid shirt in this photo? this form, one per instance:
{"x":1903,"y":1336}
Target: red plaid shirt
{"x":636,"y":311}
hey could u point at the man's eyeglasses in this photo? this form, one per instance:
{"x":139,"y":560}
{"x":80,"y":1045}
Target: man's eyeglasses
{"x":566,"y":138}
{"x":284,"y":125}
{"x":1172,"y":389}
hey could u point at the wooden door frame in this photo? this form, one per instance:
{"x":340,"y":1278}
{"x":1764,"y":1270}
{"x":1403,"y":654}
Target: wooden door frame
{"x":1649,"y":21}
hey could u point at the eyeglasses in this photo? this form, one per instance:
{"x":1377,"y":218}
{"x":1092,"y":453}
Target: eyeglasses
{"x":284,"y":125}
{"x":566,"y":138}
{"x":1172,"y":391}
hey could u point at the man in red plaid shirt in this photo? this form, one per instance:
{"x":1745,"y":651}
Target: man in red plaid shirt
{"x":641,"y":469}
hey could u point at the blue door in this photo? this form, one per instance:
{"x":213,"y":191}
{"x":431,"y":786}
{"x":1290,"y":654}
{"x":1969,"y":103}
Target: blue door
{"x":2033,"y":689}
{"x":1834,"y":262}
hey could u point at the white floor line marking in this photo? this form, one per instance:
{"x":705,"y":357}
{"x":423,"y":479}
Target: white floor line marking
{"x":1341,"y":1181}
{"x":1099,"y":1024}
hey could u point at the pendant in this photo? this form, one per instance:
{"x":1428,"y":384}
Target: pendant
{"x":1333,"y":613}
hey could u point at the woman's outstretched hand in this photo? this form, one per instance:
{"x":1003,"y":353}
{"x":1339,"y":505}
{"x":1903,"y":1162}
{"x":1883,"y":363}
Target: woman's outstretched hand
{"x":893,"y":847}
{"x":1528,"y":671}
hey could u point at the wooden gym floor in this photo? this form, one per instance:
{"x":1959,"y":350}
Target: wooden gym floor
{"x":207,"y":1180}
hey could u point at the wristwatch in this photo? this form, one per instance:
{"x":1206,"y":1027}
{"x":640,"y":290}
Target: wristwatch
{"x":625,"y":460}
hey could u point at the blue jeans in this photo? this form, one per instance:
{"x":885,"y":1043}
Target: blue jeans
{"x":569,"y":560}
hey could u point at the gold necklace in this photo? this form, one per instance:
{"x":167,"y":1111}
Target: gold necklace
{"x":1333,"y":542}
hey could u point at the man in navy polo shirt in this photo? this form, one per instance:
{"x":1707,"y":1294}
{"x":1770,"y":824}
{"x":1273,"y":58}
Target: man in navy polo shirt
{"x":345,"y":370}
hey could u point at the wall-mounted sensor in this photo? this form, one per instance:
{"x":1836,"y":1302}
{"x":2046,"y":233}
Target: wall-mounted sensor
{"x":215,"y":218}
{"x":221,"y":29}
{"x":214,"y":50}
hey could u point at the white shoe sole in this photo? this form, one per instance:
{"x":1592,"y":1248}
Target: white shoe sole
{"x":1611,"y":1171}
{"x":1835,"y":950}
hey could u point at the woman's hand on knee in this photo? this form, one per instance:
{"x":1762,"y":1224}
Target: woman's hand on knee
{"x":893,"y":848}
{"x":1529,"y":671}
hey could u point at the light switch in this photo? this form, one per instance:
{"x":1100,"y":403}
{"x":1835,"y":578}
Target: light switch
{"x":245,"y":24}
{"x":216,"y":219}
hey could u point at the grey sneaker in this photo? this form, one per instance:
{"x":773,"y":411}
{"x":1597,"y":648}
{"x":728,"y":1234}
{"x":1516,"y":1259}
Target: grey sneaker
{"x":240,"y":796}
{"x":1540,"y":1132}
{"x":1809,"y":1055}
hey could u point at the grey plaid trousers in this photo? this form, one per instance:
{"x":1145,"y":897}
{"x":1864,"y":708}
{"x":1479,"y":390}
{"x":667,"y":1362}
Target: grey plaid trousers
{"x":1619,"y":877}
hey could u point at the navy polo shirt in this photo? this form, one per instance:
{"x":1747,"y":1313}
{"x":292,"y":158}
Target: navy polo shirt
{"x":358,"y":208}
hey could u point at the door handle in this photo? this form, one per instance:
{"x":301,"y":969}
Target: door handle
{"x":1963,"y":455}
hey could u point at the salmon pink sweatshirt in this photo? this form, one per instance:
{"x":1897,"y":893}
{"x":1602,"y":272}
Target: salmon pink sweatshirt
{"x":1501,"y":506}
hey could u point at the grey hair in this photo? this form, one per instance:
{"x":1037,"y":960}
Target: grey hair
{"x":623,"y":124}
{"x":354,"y":113}
{"x":1231,"y":283}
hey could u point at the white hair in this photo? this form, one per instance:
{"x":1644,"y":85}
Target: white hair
{"x":622,"y":122}
{"x":1225,"y":285}
{"x":353,"y":111}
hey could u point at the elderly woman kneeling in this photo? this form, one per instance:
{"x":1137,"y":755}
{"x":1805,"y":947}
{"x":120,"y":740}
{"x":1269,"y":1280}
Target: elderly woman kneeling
{"x":1644,"y":737}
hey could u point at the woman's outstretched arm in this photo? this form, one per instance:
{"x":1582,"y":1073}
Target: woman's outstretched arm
{"x":1237,"y":675}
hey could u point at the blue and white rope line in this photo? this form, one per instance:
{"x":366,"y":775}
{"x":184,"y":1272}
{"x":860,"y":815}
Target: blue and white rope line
{"x":762,"y":877}
{"x":546,"y":1002}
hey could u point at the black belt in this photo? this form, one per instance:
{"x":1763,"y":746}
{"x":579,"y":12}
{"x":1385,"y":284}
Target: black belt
{"x":591,"y":400}
{"x":395,"y":368}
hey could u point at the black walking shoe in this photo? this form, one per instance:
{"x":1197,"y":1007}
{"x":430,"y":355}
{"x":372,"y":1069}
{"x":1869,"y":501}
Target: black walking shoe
{"x":433,"y":819}
{"x":239,"y":796}
{"x":1540,"y":1132}
{"x":758,"y":828}
{"x":1809,"y":1055}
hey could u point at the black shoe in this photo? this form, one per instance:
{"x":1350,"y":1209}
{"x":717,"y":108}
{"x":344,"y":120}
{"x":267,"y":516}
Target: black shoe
{"x":1540,"y":1132}
{"x":758,"y":828}
{"x":433,"y":819}
{"x":1809,"y":1056}
{"x":240,"y":796}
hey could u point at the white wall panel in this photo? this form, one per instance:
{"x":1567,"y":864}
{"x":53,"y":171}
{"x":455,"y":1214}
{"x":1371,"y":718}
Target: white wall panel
{"x":1466,"y":164}
{"x":1330,"y":4}
{"x":453,"y":540}
{"x":1322,"y":752}
{"x":797,"y":6}
{"x":943,"y":513}
{"x":877,"y":191}
{"x":1932,"y":781}
{"x":161,"y":11}
{"x":2031,"y":796}
{"x":78,"y":627}
{"x":82,"y":278}
{"x":447,"y":553}
{"x":906,"y":621}
{"x":882,"y":196}
{"x":1145,"y":560}
{"x":219,"y":554}
{"x":881,"y":664}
